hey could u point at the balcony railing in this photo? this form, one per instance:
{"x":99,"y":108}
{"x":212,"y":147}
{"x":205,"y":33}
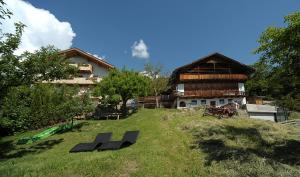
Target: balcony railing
{"x":187,"y":77}
{"x":211,"y":93}
{"x":74,"y":64}
{"x":86,"y":68}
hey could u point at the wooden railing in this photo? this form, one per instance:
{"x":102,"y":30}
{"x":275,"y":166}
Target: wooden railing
{"x":148,"y":99}
{"x":86,"y":68}
{"x":212,"y":93}
{"x":187,"y":76}
{"x":83,"y":67}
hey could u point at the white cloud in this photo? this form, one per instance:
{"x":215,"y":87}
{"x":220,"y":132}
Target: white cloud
{"x":140,"y":50}
{"x":42,"y":27}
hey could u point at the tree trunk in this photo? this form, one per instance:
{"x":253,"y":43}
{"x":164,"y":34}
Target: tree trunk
{"x":124,"y":108}
{"x":156,"y":99}
{"x":72,"y":123}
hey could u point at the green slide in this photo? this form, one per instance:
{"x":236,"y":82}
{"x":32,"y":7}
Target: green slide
{"x":46,"y":133}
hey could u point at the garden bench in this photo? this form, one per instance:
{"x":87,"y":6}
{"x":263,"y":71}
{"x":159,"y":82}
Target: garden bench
{"x":108,"y":115}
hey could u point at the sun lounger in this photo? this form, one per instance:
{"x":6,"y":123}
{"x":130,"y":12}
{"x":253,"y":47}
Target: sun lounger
{"x":129,"y":138}
{"x":100,"y":139}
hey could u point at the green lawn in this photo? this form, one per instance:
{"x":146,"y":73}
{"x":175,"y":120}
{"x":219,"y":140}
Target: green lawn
{"x":171,"y":143}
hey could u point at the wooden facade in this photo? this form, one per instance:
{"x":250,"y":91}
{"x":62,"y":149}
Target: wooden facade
{"x":197,"y":77}
{"x":213,"y":77}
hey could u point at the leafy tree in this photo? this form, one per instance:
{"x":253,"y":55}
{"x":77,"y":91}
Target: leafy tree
{"x":153,"y":70}
{"x":24,"y":104}
{"x":122,"y":85}
{"x":42,"y":65}
{"x":4,"y":12}
{"x":280,"y":51}
{"x":45,"y":64}
{"x":158,"y":81}
{"x":257,"y":85}
{"x":9,"y":63}
{"x":16,"y":110}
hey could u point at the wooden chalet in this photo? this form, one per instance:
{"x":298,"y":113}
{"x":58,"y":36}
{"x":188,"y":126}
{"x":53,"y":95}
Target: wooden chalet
{"x":91,"y":69}
{"x":212,"y":80}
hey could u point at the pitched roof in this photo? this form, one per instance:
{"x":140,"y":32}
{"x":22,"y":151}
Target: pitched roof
{"x":77,"y":52}
{"x":247,"y":68}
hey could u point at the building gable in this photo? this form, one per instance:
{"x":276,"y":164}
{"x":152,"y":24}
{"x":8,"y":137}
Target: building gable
{"x":214,"y":66}
{"x":73,"y":52}
{"x":91,"y":69}
{"x":215,"y":63}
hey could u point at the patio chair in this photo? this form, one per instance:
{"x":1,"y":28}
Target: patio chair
{"x":128,"y":139}
{"x":84,"y":147}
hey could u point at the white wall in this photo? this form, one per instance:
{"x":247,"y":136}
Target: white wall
{"x":217,"y":100}
{"x":97,"y":70}
{"x":261,"y":115}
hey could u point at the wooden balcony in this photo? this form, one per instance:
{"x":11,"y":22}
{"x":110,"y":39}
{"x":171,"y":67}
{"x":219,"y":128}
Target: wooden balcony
{"x":211,"y":93}
{"x":88,"y":68}
{"x":191,"y":77}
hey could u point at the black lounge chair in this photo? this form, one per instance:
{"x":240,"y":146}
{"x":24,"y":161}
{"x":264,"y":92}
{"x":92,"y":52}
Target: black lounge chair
{"x":84,"y":147}
{"x":129,"y":138}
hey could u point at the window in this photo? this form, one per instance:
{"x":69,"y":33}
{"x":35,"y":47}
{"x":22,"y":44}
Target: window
{"x":230,"y":100}
{"x":182,"y":104}
{"x":180,"y":87}
{"x":194,"y":102}
{"x":222,"y":101}
{"x":213,"y":103}
{"x":203,"y":102}
{"x":241,"y":87}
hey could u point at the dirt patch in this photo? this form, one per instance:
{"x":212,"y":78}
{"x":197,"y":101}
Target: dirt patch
{"x":129,"y":168}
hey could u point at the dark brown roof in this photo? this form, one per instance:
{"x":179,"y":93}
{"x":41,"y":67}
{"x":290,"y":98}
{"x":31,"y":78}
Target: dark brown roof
{"x":247,"y":68}
{"x":77,"y":52}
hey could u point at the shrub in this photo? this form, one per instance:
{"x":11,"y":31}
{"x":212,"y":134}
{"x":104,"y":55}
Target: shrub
{"x":41,"y":105}
{"x":16,"y":110}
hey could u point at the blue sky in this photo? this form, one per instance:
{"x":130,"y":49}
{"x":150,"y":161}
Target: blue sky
{"x":176,"y":32}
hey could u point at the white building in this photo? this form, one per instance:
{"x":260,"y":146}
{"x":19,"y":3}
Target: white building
{"x":264,"y":112}
{"x":91,"y":68}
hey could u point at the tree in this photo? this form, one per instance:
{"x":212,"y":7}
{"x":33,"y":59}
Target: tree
{"x":280,"y":51}
{"x":158,"y":82}
{"x":4,"y":13}
{"x":257,"y":85}
{"x":9,"y":42}
{"x":42,"y":65}
{"x":45,"y":64}
{"x":122,"y":85}
{"x":23,"y":103}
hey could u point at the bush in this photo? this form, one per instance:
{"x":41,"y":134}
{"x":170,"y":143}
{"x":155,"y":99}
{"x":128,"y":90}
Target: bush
{"x":16,"y":110}
{"x":41,"y":105}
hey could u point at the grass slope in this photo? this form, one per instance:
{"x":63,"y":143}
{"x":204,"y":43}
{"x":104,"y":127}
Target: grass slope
{"x":171,"y":143}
